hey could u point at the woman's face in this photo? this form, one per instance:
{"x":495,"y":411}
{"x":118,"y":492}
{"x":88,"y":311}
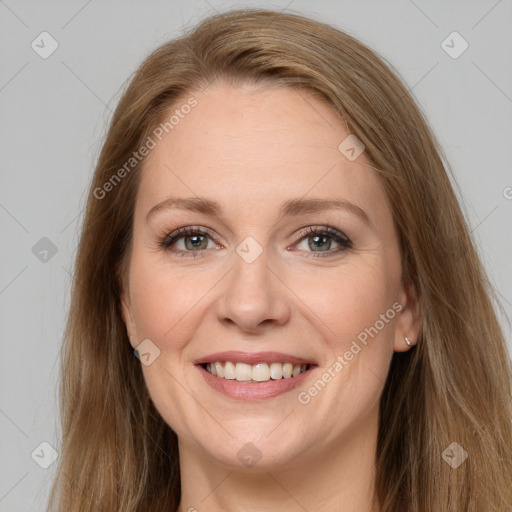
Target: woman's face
{"x":292,"y":259}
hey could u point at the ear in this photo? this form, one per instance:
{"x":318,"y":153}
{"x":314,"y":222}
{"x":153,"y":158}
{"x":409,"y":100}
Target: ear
{"x":126,"y":310}
{"x":409,"y":319}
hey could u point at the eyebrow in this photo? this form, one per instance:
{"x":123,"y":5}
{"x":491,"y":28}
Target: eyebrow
{"x":291,"y":207}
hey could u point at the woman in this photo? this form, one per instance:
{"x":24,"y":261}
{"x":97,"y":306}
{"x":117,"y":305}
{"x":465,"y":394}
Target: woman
{"x":271,"y":231}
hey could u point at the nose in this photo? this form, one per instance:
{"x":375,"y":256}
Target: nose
{"x":254,"y":296}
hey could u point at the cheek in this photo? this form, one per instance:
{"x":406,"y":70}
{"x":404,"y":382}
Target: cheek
{"x":165,"y":309}
{"x":357,"y":301}
{"x":162,"y":298}
{"x":356,"y":318}
{"x":360,"y":315}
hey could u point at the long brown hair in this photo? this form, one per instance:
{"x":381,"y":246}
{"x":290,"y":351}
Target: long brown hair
{"x":117,"y":452}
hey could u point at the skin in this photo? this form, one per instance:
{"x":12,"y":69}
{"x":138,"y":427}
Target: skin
{"x":250,"y":149}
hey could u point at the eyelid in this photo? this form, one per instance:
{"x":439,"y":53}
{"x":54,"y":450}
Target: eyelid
{"x":188,"y":230}
{"x":325,"y":229}
{"x":345,"y":243}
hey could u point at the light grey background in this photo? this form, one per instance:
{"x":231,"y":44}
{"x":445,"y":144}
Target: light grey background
{"x":53,"y":117}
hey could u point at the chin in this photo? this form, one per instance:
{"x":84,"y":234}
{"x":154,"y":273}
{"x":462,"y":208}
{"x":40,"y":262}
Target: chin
{"x":256,"y":452}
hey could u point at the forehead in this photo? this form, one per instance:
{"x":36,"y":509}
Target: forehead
{"x":245,"y":144}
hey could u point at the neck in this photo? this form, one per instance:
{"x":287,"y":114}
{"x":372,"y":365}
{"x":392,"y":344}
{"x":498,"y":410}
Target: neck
{"x":339,"y":478}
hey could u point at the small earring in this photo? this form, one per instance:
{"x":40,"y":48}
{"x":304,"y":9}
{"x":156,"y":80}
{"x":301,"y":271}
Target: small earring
{"x":407,"y":341}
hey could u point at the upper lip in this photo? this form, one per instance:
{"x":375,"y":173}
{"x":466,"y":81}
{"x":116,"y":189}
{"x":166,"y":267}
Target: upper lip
{"x":237,"y":356}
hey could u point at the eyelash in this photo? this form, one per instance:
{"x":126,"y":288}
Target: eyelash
{"x":337,"y":236}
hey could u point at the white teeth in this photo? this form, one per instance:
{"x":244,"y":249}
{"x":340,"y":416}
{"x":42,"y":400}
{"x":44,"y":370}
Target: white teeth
{"x":260,"y":372}
{"x":229,"y":370}
{"x":276,"y":370}
{"x":287,"y":370}
{"x":219,"y":369}
{"x":243,"y":371}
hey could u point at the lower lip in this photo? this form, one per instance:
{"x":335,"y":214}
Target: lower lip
{"x":253,"y":390}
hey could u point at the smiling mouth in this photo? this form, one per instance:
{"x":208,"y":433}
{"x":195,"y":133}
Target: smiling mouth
{"x":255,"y":373}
